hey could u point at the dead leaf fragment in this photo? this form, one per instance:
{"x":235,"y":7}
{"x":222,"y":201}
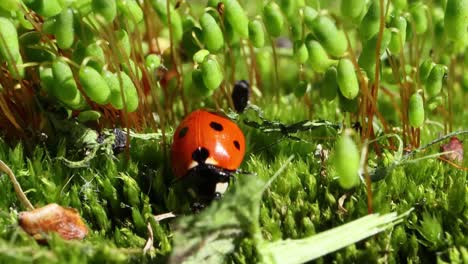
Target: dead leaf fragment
{"x":455,"y":147}
{"x":53,"y":218}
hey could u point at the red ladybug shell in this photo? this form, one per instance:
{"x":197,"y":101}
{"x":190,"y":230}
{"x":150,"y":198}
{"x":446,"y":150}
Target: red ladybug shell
{"x":201,"y":129}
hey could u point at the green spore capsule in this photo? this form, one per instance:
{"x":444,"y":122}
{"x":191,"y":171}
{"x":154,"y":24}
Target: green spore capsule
{"x":107,"y":9}
{"x":47,"y":79}
{"x":131,"y":68}
{"x":64,"y":30}
{"x":456,"y":19}
{"x":94,"y":85}
{"x":416,"y":110}
{"x":46,"y":8}
{"x":332,"y":39}
{"x":131,"y":10}
{"x":212,"y":34}
{"x":9,"y":48}
{"x":347,"y":162}
{"x":433,"y":83}
{"x":176,"y":24}
{"x":318,"y":57}
{"x":296,"y":29}
{"x":272,"y":14}
{"x":301,"y":89}
{"x":256,"y":33}
{"x":329,"y":85}
{"x":236,"y":17}
{"x":352,"y":8}
{"x":152,"y":62}
{"x":115,"y":98}
{"x":301,"y":54}
{"x":419,"y":17}
{"x":425,"y":69}
{"x":96,"y":55}
{"x":65,"y":88}
{"x":116,"y":86}
{"x":309,"y":15}
{"x":200,"y":56}
{"x":347,"y":80}
{"x":400,"y":4}
{"x":398,"y":34}
{"x":212,"y":73}
{"x":130,"y":92}
{"x":124,"y":48}
{"x":371,"y":22}
{"x":10,"y":5}
{"x":197,"y":81}
{"x":88,"y":115}
{"x":367,"y":58}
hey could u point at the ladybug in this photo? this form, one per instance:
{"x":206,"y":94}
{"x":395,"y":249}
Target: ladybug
{"x":207,"y":149}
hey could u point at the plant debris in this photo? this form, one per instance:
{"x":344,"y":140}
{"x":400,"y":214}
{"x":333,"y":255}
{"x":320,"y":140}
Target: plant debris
{"x":53,"y":218}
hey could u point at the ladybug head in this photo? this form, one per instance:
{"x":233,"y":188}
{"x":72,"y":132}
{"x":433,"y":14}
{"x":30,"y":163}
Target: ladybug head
{"x":208,"y":181}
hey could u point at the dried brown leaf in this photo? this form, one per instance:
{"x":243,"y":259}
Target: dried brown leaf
{"x":53,"y":218}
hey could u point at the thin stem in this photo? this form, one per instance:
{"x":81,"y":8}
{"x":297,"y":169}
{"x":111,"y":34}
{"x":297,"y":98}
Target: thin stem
{"x":275,"y":62}
{"x":19,"y":192}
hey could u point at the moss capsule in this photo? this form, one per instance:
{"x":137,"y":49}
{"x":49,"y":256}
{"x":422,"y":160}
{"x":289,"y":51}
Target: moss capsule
{"x":347,"y":162}
{"x":332,"y":39}
{"x":197,"y":81}
{"x":64,"y":30}
{"x":416,"y":110}
{"x":256,"y":33}
{"x":301,"y":88}
{"x":352,"y":8}
{"x":131,"y":10}
{"x":212,"y":34}
{"x":88,"y":115}
{"x":46,"y":8}
{"x":301,"y":54}
{"x":309,"y":15}
{"x":200,"y":56}
{"x":212,"y":73}
{"x":65,"y":88}
{"x":318,"y":57}
{"x":329,"y":84}
{"x":94,"y":85}
{"x":398,"y":34}
{"x":347,"y":80}
{"x":152,"y":62}
{"x":107,"y":9}
{"x":433,"y":83}
{"x":425,"y":69}
{"x":116,"y":87}
{"x":456,"y":19}
{"x":10,"y":5}
{"x":370,"y":23}
{"x":9,"y":47}
{"x":419,"y":17}
{"x":236,"y":16}
{"x":272,"y":14}
{"x":124,"y":48}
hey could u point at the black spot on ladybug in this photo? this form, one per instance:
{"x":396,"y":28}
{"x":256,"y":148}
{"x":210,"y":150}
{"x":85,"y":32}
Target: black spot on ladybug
{"x":240,"y":95}
{"x":183,"y":132}
{"x":216,"y":126}
{"x":236,"y":144}
{"x":200,"y":155}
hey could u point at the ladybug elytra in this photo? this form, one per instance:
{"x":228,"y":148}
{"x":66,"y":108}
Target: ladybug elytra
{"x":207,"y":149}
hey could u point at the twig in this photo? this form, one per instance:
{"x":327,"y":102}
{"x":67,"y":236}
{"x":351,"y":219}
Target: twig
{"x":19,"y":192}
